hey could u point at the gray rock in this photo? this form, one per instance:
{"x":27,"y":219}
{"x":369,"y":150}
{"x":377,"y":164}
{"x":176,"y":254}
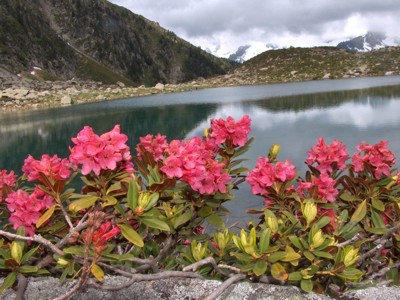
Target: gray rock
{"x":177,"y":289}
{"x":66,"y":100}
{"x":159,"y":86}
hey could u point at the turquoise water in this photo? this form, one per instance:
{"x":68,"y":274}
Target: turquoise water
{"x":293,"y":115}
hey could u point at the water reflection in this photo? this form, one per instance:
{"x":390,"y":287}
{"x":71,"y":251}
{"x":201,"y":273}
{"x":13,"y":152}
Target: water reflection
{"x":293,"y":121}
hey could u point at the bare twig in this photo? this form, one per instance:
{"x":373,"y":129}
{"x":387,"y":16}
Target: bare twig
{"x":145,"y":277}
{"x":205,"y":261}
{"x":354,"y":239}
{"x":36,"y":238}
{"x":22,"y":284}
{"x":225,"y":285}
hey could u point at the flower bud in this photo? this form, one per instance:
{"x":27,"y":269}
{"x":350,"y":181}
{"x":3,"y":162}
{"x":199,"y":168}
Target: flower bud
{"x":222,"y":239}
{"x":16,"y":251}
{"x":395,"y":178}
{"x":272,"y":224}
{"x":317,"y":239}
{"x":199,"y":251}
{"x":62,"y":262}
{"x":309,"y":211}
{"x":273,"y":152}
{"x":350,"y":256}
{"x":206,"y":133}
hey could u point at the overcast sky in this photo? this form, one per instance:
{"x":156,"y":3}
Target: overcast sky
{"x":221,"y":26}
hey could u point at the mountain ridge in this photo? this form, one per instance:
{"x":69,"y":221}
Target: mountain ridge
{"x":97,"y":40}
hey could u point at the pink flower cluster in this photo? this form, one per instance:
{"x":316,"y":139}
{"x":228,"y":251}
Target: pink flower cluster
{"x":156,"y":145}
{"x":266,"y":174}
{"x":52,"y":167}
{"x":325,"y":185}
{"x":26,"y":209}
{"x":193,"y":161}
{"x":231,"y":131}
{"x":378,"y":156}
{"x":328,"y":157}
{"x":105,"y":152}
{"x":8,"y":179}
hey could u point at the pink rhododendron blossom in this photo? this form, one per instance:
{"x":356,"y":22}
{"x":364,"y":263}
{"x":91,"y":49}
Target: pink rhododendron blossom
{"x":328,"y":157}
{"x":378,"y":156}
{"x":156,"y":145}
{"x":8,"y":179}
{"x":325,"y":187}
{"x":231,"y":131}
{"x":265,"y":174}
{"x":25,"y":210}
{"x":105,"y":152}
{"x":193,"y":161}
{"x":51,"y":166}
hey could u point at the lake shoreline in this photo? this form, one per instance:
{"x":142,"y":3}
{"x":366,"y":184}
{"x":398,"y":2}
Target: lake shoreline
{"x":18,"y":94}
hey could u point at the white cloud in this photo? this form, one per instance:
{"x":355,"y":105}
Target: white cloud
{"x":224,"y":25}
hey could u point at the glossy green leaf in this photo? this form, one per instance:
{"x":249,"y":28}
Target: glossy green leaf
{"x":109,"y":201}
{"x":76,"y":250}
{"x":260,"y":267}
{"x":83,"y":203}
{"x":215,"y":220}
{"x":296,"y":242}
{"x":131,"y":235}
{"x":153,"y":201}
{"x":323,"y":221}
{"x":28,"y":254}
{"x":8,"y":281}
{"x":205,"y":212}
{"x":182,"y":219}
{"x":276,"y":256}
{"x":28,"y":269}
{"x":264,"y":240}
{"x":378,"y":204}
{"x":306,"y":285}
{"x":351,"y":274}
{"x":347,"y":197}
{"x":323,"y":254}
{"x":46,"y":216}
{"x":238,"y":171}
{"x":377,"y":219}
{"x":360,"y":212}
{"x":309,"y":255}
{"x":156,"y":223}
{"x":295,"y":276}
{"x":133,"y":195}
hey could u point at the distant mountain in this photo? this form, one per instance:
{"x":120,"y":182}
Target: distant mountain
{"x":368,"y":42}
{"x":247,"y":52}
{"x":96,"y":40}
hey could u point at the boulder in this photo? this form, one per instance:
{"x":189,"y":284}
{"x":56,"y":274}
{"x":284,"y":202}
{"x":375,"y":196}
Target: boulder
{"x":66,"y":100}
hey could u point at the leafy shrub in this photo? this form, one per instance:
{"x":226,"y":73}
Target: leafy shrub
{"x":333,"y":228}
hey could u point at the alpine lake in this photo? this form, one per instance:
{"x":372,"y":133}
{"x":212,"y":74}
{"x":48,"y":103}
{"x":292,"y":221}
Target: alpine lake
{"x":292,"y":115}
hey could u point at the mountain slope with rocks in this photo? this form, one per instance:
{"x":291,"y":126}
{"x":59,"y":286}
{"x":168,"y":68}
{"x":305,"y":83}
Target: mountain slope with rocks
{"x":368,"y":42}
{"x":96,"y":40}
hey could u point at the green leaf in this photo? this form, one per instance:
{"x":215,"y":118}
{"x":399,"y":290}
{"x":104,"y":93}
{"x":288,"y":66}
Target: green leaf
{"x":205,"y":212}
{"x":155,"y":223}
{"x":323,"y":254}
{"x":83,"y":203}
{"x":8,"y":281}
{"x":378,"y":231}
{"x":378,"y":204}
{"x":279,"y":272}
{"x":264,"y":240}
{"x":118,"y":257}
{"x":47,"y":215}
{"x":77,"y":250}
{"x":260,"y":267}
{"x":347,"y":197}
{"x":215,"y":220}
{"x":28,"y":269}
{"x":238,"y":171}
{"x":306,"y":285}
{"x":28,"y":254}
{"x":131,"y":235}
{"x":182,"y":219}
{"x":322,"y":222}
{"x":296,"y":242}
{"x":133,"y":195}
{"x":360,"y":212}
{"x":153,"y":200}
{"x":377,"y":219}
{"x":5,"y":254}
{"x":351,"y":274}
{"x":393,"y":275}
{"x":108,"y":201}
{"x":276,"y":256}
{"x":309,"y":255}
{"x":295,"y":276}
